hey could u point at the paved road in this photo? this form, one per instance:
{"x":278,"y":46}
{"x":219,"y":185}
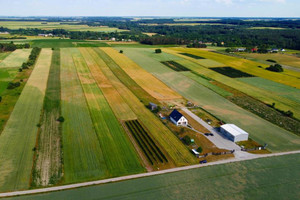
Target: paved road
{"x":217,"y":139}
{"x":123,"y":178}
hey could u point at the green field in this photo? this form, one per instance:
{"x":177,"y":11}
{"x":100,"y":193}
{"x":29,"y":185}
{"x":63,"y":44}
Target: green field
{"x":260,"y":179}
{"x":118,"y":152}
{"x":83,"y":157}
{"x":19,"y":136}
{"x":48,"y":157}
{"x":3,"y":55}
{"x":15,"y":59}
{"x":260,"y":130}
{"x":271,"y":86}
{"x":55,"y":25}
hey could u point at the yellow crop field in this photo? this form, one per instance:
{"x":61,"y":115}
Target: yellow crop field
{"x":247,"y":66}
{"x":147,"y":81}
{"x":116,"y":102}
{"x":15,"y":59}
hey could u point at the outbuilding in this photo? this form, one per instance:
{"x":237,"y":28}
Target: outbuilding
{"x":234,"y":133}
{"x":152,"y":106}
{"x":178,"y":119}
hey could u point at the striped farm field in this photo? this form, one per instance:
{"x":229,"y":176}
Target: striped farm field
{"x":3,"y":55}
{"x":170,"y":144}
{"x":116,"y":102}
{"x":82,"y":154}
{"x":147,"y":81}
{"x":248,"y":66}
{"x":260,"y":130}
{"x":19,"y":135}
{"x":48,"y":158}
{"x":15,"y":59}
{"x":118,"y":153}
{"x":259,"y":93}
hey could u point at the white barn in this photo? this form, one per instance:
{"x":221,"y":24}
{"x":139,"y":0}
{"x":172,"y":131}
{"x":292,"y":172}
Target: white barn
{"x":178,"y":119}
{"x":234,"y":133}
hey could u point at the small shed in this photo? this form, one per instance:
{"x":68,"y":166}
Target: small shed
{"x":234,"y":133}
{"x":152,"y":106}
{"x":178,"y":119}
{"x":195,"y":152}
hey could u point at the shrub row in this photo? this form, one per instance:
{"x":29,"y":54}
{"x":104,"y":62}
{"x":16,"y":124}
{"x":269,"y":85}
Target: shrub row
{"x":32,"y":58}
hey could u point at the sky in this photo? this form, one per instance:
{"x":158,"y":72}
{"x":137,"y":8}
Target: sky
{"x":188,"y":8}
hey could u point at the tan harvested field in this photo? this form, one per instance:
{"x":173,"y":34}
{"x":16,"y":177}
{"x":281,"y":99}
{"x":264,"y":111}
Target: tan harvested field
{"x":147,"y":81}
{"x":16,"y":58}
{"x":116,"y":102}
{"x":19,"y":135}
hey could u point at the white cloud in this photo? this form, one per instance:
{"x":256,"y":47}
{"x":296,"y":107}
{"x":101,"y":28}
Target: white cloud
{"x":227,"y":2}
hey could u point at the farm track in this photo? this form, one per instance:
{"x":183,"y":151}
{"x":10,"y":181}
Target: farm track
{"x":19,"y":135}
{"x":111,"y":180}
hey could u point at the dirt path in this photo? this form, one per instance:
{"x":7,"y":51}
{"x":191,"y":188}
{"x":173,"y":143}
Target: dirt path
{"x":123,"y":178}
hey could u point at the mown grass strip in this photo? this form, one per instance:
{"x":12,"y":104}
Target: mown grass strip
{"x":118,"y":152}
{"x":19,"y":136}
{"x":83,"y":157}
{"x":47,"y":167}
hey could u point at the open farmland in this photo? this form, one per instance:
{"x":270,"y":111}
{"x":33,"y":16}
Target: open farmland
{"x":244,"y":65}
{"x":19,"y":136}
{"x":260,"y":130}
{"x":55,"y":25}
{"x":282,"y":103}
{"x":268,"y":178}
{"x":171,"y":146}
{"x":3,"y":55}
{"x":15,"y":59}
{"x":118,"y":153}
{"x":83,"y":157}
{"x":146,"y":80}
{"x":48,"y":157}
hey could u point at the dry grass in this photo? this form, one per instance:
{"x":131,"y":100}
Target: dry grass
{"x":146,"y":80}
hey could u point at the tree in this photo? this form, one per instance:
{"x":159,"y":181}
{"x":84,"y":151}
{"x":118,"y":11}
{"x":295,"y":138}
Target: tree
{"x":199,"y":149}
{"x":187,"y":140}
{"x":275,"y":68}
{"x":157,"y":50}
{"x":121,"y":51}
{"x":27,"y":46}
{"x":61,"y":119}
{"x":0,"y":98}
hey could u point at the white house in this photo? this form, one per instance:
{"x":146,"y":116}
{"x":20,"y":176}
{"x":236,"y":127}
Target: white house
{"x":234,"y":133}
{"x":178,"y":119}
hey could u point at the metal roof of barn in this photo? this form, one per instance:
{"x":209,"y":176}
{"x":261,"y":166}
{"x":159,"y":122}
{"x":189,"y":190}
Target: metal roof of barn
{"x":234,"y":130}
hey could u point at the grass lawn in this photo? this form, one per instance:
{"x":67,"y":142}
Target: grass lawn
{"x":118,"y":152}
{"x":19,"y":135}
{"x":266,"y":178}
{"x":260,"y":130}
{"x":82,"y":154}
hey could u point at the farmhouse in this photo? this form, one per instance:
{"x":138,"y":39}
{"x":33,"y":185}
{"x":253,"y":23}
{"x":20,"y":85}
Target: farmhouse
{"x":234,"y":133}
{"x":178,"y":119}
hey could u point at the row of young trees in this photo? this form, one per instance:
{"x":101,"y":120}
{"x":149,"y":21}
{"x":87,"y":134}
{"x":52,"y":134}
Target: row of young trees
{"x":11,"y":46}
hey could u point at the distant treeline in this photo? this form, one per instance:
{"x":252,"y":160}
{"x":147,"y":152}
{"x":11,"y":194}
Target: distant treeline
{"x":11,"y":46}
{"x":229,"y":32}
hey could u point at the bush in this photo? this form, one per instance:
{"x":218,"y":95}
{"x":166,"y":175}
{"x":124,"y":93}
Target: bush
{"x":187,"y":140}
{"x":157,"y":50}
{"x":26,"y":46}
{"x":12,"y":85}
{"x":200,"y":149}
{"x":0,"y":98}
{"x":61,"y":119}
{"x":275,"y":68}
{"x":20,"y":69}
{"x":121,"y":51}
{"x":270,"y":60}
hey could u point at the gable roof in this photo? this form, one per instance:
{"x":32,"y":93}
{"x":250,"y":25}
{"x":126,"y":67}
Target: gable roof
{"x":175,"y":115}
{"x":234,"y":130}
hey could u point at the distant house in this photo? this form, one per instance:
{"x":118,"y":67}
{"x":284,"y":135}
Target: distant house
{"x":178,"y":119}
{"x":234,"y":133}
{"x":152,"y":106}
{"x":4,"y":33}
{"x":274,"y":50}
{"x":240,"y":49}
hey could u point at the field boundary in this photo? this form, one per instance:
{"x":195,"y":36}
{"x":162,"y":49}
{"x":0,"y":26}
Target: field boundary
{"x":123,"y":178}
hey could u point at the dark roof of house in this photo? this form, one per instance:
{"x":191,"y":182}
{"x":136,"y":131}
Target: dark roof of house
{"x":175,"y":115}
